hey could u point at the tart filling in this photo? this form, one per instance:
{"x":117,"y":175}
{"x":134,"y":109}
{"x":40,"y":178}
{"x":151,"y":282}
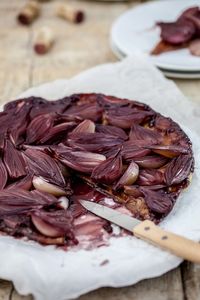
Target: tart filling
{"x":117,"y":152}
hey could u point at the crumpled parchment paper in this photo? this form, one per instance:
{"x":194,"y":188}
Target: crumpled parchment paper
{"x":51,"y":274}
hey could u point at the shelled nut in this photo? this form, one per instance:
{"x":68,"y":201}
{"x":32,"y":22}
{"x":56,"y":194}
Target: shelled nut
{"x":29,"y":13}
{"x":70,"y":13}
{"x":44,"y":39}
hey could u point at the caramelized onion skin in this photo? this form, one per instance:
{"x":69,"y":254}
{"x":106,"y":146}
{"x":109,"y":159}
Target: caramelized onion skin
{"x":178,"y":169}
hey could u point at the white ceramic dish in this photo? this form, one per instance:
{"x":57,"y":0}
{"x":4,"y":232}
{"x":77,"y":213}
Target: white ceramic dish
{"x":135,"y":32}
{"x":167,"y":73}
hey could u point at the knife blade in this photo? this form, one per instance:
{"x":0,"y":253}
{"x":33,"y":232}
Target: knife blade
{"x":148,"y":231}
{"x":111,"y":215}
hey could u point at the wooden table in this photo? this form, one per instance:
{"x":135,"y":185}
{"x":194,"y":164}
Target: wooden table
{"x":77,"y":48}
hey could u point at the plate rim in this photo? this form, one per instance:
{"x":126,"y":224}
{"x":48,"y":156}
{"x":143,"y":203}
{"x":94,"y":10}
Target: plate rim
{"x":166,"y":72}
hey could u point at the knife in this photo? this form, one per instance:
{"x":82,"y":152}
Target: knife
{"x":148,"y":231}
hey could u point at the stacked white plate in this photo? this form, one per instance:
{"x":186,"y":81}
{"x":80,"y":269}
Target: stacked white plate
{"x":134,"y":32}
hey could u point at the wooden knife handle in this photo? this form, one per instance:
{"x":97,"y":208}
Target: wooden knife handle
{"x":171,"y":242}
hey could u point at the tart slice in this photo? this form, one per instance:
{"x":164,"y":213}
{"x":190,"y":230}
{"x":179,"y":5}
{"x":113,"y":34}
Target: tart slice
{"x":181,"y":33}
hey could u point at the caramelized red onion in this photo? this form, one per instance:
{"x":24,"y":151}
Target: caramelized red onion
{"x":18,"y":201}
{"x":169,"y":151}
{"x":80,"y":161}
{"x":53,"y":224}
{"x":129,"y":176}
{"x":87,"y":126}
{"x":151,"y":161}
{"x":45,"y":228}
{"x":19,"y":124}
{"x":149,"y":136}
{"x":109,"y":170}
{"x":86,"y":111}
{"x":43,"y":185}
{"x":23,"y":183}
{"x":112,"y":101}
{"x":157,"y":201}
{"x":94,"y":142}
{"x":162,"y":123}
{"x":45,"y":166}
{"x":3,"y":175}
{"x":38,"y":128}
{"x":178,"y":169}
{"x":133,"y":190}
{"x":112,"y":130}
{"x":57,"y":133}
{"x":117,"y":117}
{"x":130,"y":151}
{"x":150,"y":177}
{"x":13,"y":161}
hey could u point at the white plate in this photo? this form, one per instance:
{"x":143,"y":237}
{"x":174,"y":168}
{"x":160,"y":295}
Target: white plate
{"x":168,"y":73}
{"x":134,"y":32}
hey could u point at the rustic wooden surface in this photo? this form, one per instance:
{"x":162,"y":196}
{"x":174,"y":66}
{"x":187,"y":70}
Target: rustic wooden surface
{"x":77,"y":48}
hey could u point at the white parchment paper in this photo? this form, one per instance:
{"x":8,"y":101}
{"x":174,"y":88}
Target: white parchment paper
{"x":51,"y":274}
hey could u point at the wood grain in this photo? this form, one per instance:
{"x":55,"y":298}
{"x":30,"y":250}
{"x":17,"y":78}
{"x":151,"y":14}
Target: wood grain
{"x":78,"y":48}
{"x":191,"y":281}
{"x":166,"y":287}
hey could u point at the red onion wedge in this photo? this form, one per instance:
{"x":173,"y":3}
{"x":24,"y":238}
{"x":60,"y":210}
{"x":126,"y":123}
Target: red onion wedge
{"x":94,"y":142}
{"x":132,"y":190}
{"x":125,"y":117}
{"x":109,"y":170}
{"x":45,"y":166}
{"x":80,"y":161}
{"x":46,"y":228}
{"x":53,"y":224}
{"x":158,"y":202}
{"x":149,"y":136}
{"x":57,"y":133}
{"x":130,"y":151}
{"x":86,"y":111}
{"x":151,"y":161}
{"x":178,"y":169}
{"x":129,"y":176}
{"x":112,"y":130}
{"x":23,"y":183}
{"x":87,"y":126}
{"x":3,"y":175}
{"x":13,"y":161}
{"x":18,"y":201}
{"x":150,"y":177}
{"x":38,"y":128}
{"x":169,"y":151}
{"x":43,"y":185}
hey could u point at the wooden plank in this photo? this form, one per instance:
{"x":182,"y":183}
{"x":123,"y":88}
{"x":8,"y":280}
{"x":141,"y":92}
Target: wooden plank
{"x":191,"y":281}
{"x":16,"y":296}
{"x":5,"y":290}
{"x":15,"y":64}
{"x":166,"y":287}
{"x":190,"y":88}
{"x":77,"y":47}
